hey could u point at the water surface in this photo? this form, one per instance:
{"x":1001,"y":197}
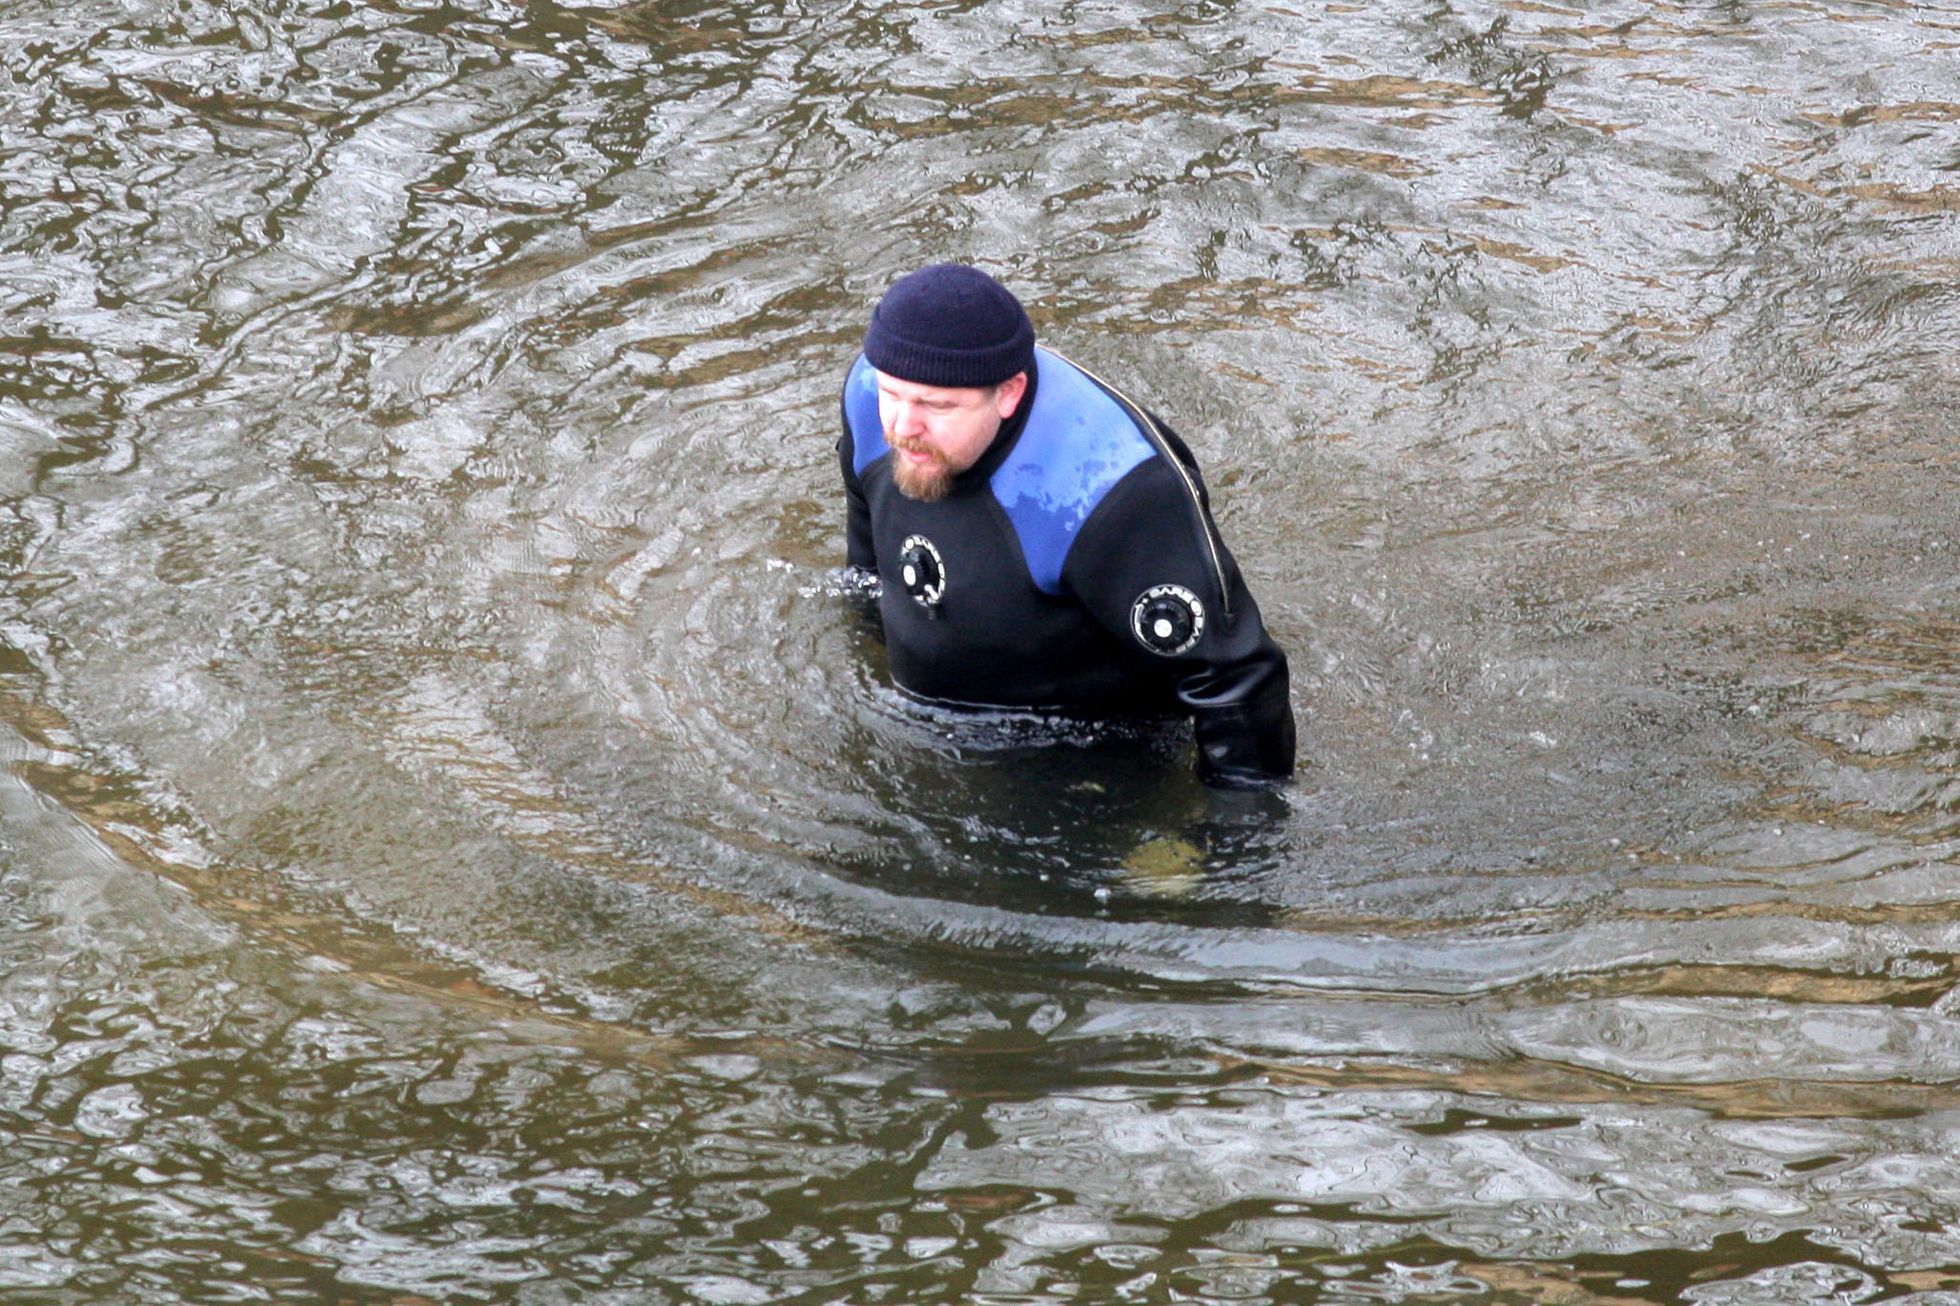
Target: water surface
{"x":456,"y":843}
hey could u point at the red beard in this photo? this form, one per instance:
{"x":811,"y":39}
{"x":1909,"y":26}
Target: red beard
{"x":927,"y":481}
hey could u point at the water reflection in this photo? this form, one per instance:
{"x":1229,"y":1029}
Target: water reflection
{"x":454,"y":845}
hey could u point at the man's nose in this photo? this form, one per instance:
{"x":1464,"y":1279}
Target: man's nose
{"x":908,"y":420}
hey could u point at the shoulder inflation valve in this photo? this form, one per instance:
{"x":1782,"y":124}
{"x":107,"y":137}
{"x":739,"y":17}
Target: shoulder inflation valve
{"x":1167,"y":619}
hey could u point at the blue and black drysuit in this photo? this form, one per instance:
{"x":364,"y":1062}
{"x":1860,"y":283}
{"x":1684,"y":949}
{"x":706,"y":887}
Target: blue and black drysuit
{"x":1075,"y":568}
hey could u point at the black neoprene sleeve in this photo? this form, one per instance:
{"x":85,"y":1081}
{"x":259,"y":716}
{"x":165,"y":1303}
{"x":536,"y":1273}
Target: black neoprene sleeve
{"x":1148,"y":532}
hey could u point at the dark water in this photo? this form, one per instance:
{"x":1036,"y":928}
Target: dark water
{"x":455,"y":845}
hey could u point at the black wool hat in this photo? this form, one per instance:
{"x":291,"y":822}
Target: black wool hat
{"x":949,"y":325}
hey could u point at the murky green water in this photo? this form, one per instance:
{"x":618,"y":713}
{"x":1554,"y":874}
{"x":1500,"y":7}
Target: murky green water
{"x":454,"y":846}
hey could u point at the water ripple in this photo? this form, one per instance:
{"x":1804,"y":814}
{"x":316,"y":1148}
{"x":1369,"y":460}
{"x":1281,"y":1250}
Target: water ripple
{"x":457,"y":844}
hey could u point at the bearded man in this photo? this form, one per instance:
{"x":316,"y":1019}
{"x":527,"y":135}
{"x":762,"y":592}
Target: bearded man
{"x":1042,"y":542}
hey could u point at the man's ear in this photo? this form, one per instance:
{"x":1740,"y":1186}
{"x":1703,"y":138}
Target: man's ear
{"x":1007,"y":397}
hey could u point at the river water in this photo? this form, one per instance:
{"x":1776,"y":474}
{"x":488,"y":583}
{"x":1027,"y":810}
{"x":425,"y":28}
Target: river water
{"x":456,"y":843}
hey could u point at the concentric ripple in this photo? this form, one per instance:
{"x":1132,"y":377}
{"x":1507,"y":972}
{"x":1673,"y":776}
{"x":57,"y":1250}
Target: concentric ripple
{"x":459,"y":842}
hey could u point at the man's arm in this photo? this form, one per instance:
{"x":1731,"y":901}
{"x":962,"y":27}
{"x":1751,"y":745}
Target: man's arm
{"x":858,"y":553}
{"x":1150,"y":568}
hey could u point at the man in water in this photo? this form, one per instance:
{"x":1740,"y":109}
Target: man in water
{"x":1043,"y":542}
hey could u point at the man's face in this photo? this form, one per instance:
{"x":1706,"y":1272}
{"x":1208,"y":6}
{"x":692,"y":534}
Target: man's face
{"x":936,"y":432}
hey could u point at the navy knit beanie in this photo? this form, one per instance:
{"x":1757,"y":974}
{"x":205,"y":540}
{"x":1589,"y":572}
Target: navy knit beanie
{"x":949,"y":325}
